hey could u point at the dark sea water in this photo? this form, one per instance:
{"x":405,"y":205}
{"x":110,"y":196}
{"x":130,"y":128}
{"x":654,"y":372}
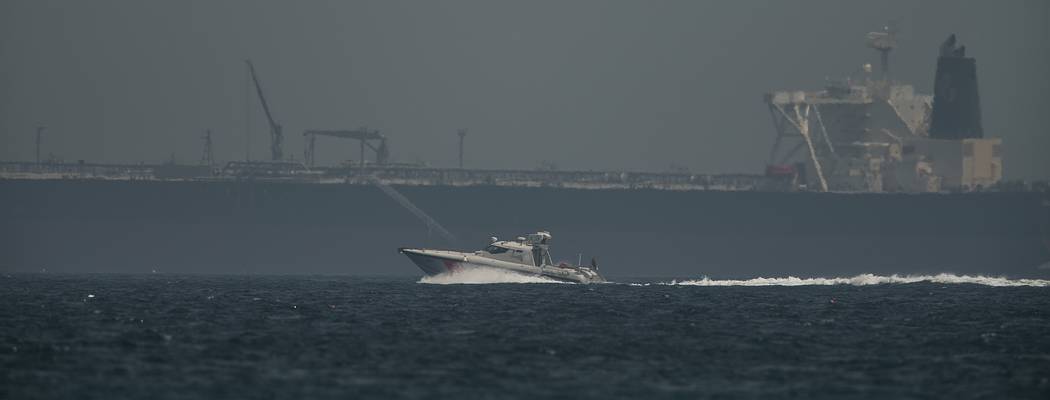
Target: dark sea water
{"x":197,"y":336}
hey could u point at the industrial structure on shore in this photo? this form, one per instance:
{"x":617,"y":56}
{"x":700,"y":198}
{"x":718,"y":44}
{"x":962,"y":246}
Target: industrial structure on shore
{"x":866,"y":134}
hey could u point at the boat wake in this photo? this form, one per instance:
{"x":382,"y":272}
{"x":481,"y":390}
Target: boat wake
{"x":476,"y":276}
{"x":866,"y":279}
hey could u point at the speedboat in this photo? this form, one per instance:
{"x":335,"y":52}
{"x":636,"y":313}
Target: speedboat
{"x":528,"y":255}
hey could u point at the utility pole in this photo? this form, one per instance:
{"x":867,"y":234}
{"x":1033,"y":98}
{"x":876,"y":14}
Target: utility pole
{"x":39,"y":134}
{"x":462,"y":134}
{"x":308,"y":152}
{"x":206,"y":157}
{"x":247,"y":113}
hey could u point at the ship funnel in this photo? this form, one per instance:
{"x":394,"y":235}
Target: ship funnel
{"x":956,"y":105}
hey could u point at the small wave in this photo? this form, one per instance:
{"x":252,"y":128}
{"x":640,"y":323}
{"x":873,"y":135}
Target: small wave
{"x":866,"y":279}
{"x":475,"y":276}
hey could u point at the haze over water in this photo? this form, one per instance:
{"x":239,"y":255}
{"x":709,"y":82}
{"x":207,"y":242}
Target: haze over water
{"x":592,"y":85}
{"x":602,"y":91}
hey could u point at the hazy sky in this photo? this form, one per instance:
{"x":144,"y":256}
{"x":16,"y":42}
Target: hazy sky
{"x":632,"y":85}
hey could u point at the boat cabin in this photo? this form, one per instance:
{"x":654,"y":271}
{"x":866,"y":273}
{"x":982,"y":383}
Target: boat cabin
{"x":531,"y":250}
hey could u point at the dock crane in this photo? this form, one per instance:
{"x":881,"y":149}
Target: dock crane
{"x":276,"y":136}
{"x":363,"y":135}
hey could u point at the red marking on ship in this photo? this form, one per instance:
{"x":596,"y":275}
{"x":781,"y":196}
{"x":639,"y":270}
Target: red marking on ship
{"x":451,"y":266}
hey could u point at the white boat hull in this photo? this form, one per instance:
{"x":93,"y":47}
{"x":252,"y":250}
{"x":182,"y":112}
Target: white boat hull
{"x":434,"y":262}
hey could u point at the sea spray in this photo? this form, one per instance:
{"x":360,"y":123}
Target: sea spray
{"x":866,"y":279}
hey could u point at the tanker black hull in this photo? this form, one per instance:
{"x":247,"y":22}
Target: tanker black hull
{"x":255,"y":227}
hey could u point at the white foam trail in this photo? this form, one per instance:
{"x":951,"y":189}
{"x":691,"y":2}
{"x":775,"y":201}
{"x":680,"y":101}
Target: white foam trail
{"x":477,"y":276}
{"x":866,"y":279}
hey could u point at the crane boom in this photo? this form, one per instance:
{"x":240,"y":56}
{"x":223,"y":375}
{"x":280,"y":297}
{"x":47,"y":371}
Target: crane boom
{"x":362,"y":134}
{"x":276,"y":136}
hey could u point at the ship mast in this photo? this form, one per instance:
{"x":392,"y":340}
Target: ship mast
{"x":884,"y":41}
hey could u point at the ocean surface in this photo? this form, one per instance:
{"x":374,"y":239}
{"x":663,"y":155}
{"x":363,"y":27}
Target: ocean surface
{"x":493,"y":335}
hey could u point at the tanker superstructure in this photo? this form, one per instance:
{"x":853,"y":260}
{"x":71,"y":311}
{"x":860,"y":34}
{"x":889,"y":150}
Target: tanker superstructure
{"x":866,"y":176}
{"x":874,"y":134}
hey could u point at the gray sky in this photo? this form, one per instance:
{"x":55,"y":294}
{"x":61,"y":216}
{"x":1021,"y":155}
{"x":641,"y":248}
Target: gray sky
{"x":584,"y":84}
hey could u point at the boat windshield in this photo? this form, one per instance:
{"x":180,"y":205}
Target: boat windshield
{"x":496,"y":250}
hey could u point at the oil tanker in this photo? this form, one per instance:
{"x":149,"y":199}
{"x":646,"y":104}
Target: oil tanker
{"x":257,"y":226}
{"x":865,"y":176}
